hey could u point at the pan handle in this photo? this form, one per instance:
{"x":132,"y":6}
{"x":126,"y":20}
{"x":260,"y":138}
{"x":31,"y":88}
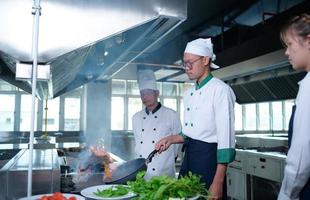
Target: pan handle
{"x":150,"y":157}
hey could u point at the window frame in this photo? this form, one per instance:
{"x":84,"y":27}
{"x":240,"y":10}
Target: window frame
{"x":126,"y":96}
{"x":40,"y":110}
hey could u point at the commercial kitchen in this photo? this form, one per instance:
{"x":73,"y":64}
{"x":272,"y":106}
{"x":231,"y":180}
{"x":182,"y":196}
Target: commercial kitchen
{"x":84,"y":90}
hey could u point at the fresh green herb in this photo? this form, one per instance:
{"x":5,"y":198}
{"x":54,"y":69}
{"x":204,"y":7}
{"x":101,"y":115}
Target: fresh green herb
{"x":114,"y":191}
{"x":164,"y":187}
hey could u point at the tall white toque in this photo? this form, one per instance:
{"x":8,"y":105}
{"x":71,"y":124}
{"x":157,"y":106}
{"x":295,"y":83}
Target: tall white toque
{"x":146,"y":79}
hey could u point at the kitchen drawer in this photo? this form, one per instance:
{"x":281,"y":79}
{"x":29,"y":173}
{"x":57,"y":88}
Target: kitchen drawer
{"x":264,"y":167}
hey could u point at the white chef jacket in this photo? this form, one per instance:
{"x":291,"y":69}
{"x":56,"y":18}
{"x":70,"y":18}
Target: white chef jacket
{"x":297,"y":169}
{"x":209,"y":116}
{"x":149,"y":128}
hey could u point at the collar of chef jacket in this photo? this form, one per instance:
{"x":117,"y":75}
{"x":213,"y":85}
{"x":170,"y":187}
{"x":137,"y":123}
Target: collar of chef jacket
{"x":155,"y":109}
{"x":203,"y":82}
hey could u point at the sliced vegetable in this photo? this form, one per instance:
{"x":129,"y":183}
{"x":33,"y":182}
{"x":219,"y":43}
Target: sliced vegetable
{"x":114,"y":191}
{"x":56,"y":196}
{"x":164,"y":187}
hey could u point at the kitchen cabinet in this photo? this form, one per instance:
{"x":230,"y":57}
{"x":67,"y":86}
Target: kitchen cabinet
{"x":236,"y":177}
{"x":253,"y":175}
{"x":236,"y":184}
{"x":264,"y":167}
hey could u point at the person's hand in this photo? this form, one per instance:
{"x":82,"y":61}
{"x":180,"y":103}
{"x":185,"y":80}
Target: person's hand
{"x":163,"y":144}
{"x":216,"y":191}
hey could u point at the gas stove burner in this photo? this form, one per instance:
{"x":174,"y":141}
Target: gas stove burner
{"x":66,"y":184}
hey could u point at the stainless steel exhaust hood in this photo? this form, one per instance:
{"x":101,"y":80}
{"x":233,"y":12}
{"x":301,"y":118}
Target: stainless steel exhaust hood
{"x":82,"y":39}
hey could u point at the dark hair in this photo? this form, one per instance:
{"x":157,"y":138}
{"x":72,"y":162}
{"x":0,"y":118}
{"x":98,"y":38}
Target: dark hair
{"x":300,"y":24}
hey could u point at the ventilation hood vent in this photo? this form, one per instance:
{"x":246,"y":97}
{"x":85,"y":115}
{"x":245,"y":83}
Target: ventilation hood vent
{"x":269,"y":77}
{"x":83,"y":40}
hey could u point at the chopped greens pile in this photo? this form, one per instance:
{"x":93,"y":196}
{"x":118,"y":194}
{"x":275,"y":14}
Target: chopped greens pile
{"x":114,"y":191}
{"x":159,"y":188}
{"x":164,"y":187}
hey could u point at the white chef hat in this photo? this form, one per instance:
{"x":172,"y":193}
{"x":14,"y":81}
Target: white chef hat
{"x":202,"y":47}
{"x":146,"y":79}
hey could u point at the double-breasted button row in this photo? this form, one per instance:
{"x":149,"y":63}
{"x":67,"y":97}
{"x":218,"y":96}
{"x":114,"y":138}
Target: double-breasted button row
{"x":191,"y":124}
{"x":154,"y":117}
{"x":154,"y":129}
{"x":141,"y":142}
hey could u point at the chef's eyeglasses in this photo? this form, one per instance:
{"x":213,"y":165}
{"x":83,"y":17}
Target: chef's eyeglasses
{"x":189,"y":65}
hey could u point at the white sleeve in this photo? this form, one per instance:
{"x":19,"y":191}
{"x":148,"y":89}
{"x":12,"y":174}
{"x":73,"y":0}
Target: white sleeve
{"x":134,"y":130}
{"x":224,"y":117}
{"x":297,"y":169}
{"x":224,"y":101}
{"x":176,"y":124}
{"x":176,"y":129}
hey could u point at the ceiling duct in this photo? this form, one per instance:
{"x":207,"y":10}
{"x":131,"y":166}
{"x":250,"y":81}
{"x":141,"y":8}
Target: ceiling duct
{"x":82,"y":40}
{"x":269,"y":77}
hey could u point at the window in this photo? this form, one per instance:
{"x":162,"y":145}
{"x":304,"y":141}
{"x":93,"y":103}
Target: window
{"x":117,"y":113}
{"x":250,"y":117}
{"x":184,"y":87}
{"x":264,"y":116}
{"x":72,"y":114}
{"x":171,"y":103}
{"x":133,"y":88}
{"x":118,"y":87}
{"x":277,"y":116}
{"x":4,"y":86}
{"x":7,"y":107}
{"x":10,"y":96}
{"x":126,"y":100}
{"x":134,"y":105}
{"x":170,"y":89}
{"x":52,"y":121}
{"x":25,"y":112}
{"x":159,"y":87}
{"x":238,"y":117}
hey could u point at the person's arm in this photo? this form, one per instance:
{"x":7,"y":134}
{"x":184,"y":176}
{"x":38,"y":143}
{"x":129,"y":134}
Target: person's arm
{"x":224,"y":121}
{"x":134,"y":131}
{"x":164,"y":143}
{"x":216,"y":188}
{"x":225,"y":124}
{"x":176,"y":128}
{"x":297,"y":169}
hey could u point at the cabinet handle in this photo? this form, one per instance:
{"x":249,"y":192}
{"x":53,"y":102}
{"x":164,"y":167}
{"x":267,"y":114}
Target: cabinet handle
{"x":263,"y":167}
{"x":262,"y":159}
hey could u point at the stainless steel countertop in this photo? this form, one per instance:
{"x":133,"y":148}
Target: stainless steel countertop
{"x":42,"y":159}
{"x":25,"y":145}
{"x":276,"y":155}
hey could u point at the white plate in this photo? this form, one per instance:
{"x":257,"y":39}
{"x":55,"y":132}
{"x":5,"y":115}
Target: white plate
{"x":67,"y":195}
{"x":192,"y":198}
{"x":89,"y":193}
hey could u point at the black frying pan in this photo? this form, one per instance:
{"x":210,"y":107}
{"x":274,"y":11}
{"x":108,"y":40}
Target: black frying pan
{"x":128,"y":170}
